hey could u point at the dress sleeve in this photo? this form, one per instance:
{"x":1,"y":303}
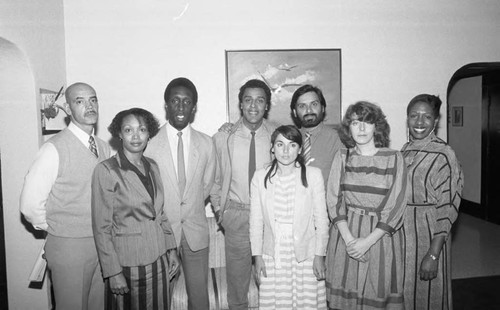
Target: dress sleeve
{"x":447,"y":183}
{"x":393,"y":206}
{"x":336,"y":208}
{"x":102,"y":220}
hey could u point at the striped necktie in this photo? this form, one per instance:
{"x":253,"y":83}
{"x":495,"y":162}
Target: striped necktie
{"x":92,"y":146}
{"x":181,"y":169}
{"x":306,"y":152}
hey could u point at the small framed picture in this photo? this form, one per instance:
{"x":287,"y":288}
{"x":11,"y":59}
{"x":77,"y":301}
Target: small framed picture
{"x":457,"y":116}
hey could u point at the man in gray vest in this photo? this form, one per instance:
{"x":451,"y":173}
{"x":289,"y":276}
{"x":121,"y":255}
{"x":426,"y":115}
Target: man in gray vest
{"x":56,"y":198}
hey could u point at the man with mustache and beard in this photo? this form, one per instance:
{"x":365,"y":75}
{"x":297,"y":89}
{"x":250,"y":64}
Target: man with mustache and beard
{"x":321,"y":141}
{"x":187,"y":160}
{"x":56,"y":198}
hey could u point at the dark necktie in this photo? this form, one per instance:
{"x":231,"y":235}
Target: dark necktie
{"x":306,"y":152}
{"x":181,"y":170}
{"x":92,"y":146}
{"x":251,"y":161}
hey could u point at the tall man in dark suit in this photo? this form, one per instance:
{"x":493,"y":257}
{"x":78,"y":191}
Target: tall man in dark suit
{"x":321,"y":141}
{"x":187,"y":161}
{"x":239,"y":152}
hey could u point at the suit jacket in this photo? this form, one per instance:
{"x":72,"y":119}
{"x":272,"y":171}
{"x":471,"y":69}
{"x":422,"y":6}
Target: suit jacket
{"x":224,"y":143}
{"x":310,"y":219}
{"x":130,"y":228}
{"x":186,"y":211}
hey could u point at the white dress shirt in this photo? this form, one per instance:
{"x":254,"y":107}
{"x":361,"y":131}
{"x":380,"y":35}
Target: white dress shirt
{"x":173,"y":140}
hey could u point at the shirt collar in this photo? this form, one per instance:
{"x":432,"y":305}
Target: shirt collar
{"x":79,"y":133}
{"x":127,"y":165}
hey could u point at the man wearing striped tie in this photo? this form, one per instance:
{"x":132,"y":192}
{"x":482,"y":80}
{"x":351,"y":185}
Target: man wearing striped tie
{"x":240,"y":151}
{"x":321,"y":141}
{"x":56,"y":198}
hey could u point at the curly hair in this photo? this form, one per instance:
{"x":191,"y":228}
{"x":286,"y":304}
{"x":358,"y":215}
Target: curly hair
{"x":370,"y":113}
{"x":151,"y":122}
{"x":293,"y":134}
{"x":433,"y":101}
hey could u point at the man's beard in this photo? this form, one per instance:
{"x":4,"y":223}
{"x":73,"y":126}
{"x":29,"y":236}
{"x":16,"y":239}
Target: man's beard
{"x":308,"y":122}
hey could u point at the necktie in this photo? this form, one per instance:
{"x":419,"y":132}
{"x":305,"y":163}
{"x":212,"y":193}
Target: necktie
{"x":251,"y":161}
{"x":306,"y":152}
{"x":181,"y":170}
{"x":92,"y":146}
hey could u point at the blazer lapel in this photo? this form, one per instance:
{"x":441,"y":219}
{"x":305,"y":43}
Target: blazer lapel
{"x":300,"y":196}
{"x":270,"y":202}
{"x":193,"y":159}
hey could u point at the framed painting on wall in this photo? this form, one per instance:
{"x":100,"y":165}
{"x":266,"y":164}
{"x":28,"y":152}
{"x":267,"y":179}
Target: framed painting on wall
{"x":284,"y":71}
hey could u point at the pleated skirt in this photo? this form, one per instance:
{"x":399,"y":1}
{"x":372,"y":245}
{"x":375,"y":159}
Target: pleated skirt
{"x":290,"y":284}
{"x":149,"y":288}
{"x":375,"y":284}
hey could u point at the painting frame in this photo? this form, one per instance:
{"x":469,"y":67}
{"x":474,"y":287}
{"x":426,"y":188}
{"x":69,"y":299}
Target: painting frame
{"x":284,"y":71}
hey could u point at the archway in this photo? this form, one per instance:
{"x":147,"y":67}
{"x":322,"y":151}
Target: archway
{"x":19,"y":141}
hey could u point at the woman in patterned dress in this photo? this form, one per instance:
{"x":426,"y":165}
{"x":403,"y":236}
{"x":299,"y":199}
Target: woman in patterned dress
{"x":366,"y":198}
{"x":289,"y":228}
{"x":435,"y":186}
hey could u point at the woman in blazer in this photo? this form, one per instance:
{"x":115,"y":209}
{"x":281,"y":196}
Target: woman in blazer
{"x":289,"y":228}
{"x":131,"y":230}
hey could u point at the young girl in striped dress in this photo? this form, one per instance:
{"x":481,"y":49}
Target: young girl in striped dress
{"x":289,"y":228}
{"x":366,"y":199}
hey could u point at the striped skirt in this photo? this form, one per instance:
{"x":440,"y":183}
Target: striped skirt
{"x":290,"y":284}
{"x":375,"y":284}
{"x":149,"y":288}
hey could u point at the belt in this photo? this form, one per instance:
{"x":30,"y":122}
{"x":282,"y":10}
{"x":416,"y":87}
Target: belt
{"x":362,"y":211}
{"x":237,"y":205}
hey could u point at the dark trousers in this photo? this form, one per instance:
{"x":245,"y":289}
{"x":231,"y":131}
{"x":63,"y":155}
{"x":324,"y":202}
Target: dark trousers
{"x":195,"y":268}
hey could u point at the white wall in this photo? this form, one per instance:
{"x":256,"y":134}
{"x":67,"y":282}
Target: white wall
{"x":32,"y":56}
{"x":466,"y":140}
{"x":391,"y":50}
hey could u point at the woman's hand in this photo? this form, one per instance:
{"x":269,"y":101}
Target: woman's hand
{"x":173,"y":263}
{"x":118,"y":284}
{"x":260,"y":267}
{"x":358,"y":247}
{"x":319,"y":267}
{"x":428,"y":268}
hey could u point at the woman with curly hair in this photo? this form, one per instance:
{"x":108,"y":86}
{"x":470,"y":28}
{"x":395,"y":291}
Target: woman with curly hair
{"x":132,"y":233}
{"x":366,"y":199}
